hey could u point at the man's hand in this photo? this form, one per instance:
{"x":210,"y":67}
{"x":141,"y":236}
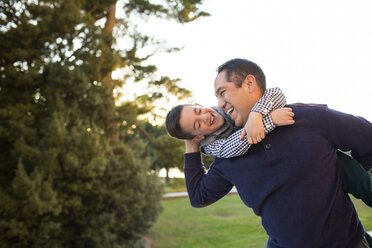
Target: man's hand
{"x":191,"y":146}
{"x":254,"y":128}
{"x":282,"y":117}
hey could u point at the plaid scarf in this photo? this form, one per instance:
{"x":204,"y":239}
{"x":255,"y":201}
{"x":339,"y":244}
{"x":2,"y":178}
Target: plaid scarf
{"x":227,"y":128}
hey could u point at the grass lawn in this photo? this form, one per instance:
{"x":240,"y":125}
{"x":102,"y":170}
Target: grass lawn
{"x":174,"y":185}
{"x":227,"y":223}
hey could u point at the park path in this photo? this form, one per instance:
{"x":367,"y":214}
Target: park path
{"x":184,"y":194}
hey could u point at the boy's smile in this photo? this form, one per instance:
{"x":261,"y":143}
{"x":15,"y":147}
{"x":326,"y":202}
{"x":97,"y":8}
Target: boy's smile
{"x":199,"y":120}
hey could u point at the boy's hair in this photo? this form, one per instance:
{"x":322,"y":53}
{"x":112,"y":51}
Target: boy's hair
{"x":238,"y":69}
{"x":172,"y":123}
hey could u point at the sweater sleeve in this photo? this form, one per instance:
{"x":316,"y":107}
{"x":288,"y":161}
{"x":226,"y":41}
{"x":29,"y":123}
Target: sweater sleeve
{"x":203,"y":188}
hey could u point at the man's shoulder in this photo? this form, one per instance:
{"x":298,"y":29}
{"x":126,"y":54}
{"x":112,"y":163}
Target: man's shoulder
{"x":310,"y":113}
{"x":307,"y":105}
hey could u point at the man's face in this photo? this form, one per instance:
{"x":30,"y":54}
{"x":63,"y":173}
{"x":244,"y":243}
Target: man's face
{"x":235,"y":101}
{"x":198,"y":120}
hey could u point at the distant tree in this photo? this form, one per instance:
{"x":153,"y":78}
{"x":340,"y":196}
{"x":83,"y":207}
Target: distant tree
{"x":169,"y":153}
{"x":207,"y":160}
{"x":70,"y":173}
{"x":165,"y":152}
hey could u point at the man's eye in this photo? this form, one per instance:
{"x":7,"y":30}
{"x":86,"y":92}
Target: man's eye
{"x":222,"y":93}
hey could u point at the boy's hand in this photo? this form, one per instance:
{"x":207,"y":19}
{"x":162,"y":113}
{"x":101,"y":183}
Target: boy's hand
{"x":254,"y":128}
{"x":282,"y":117}
{"x":191,"y":146}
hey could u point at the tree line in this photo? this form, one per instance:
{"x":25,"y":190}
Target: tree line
{"x":76,"y":168}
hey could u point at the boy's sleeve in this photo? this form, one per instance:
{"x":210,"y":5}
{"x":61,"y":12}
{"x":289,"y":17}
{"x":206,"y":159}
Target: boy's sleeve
{"x":228,"y":147}
{"x":268,"y":123}
{"x":272,"y":98}
{"x":232,"y":146}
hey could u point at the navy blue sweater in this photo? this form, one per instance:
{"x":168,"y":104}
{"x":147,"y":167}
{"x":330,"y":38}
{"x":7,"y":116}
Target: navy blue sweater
{"x":291,"y":179}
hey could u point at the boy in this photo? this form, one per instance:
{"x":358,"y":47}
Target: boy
{"x":217,"y":135}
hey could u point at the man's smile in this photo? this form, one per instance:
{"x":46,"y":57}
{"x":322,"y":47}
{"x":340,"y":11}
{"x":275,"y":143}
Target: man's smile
{"x":230,"y":110}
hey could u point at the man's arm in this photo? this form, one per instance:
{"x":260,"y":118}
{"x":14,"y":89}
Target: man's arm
{"x":203,"y":188}
{"x":191,"y":146}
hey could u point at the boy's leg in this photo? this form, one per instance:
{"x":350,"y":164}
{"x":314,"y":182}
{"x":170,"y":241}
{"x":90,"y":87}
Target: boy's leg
{"x":355,"y":179}
{"x":369,"y":239}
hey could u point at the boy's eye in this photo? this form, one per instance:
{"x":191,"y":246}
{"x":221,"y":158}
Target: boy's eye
{"x":197,"y":125}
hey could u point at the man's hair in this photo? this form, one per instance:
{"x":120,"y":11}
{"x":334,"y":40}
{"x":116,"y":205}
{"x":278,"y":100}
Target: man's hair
{"x":172,"y":123}
{"x":238,"y":69}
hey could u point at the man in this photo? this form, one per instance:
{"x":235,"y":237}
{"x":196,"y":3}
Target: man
{"x":290,"y":179}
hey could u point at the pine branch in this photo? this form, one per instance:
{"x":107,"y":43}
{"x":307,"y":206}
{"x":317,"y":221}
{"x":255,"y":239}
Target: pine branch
{"x":146,"y":134}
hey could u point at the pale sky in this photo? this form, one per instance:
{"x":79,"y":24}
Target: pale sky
{"x":317,"y":51}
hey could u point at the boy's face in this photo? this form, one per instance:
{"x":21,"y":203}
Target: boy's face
{"x":200,"y":121}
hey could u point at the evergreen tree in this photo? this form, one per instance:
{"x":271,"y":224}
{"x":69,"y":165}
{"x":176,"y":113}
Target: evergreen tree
{"x":70,"y":174}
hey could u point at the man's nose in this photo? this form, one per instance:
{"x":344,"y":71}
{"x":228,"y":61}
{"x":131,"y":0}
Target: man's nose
{"x":221,"y":103}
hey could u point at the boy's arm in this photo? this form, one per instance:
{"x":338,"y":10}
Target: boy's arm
{"x":228,"y":147}
{"x":233,"y":146}
{"x":272,"y":99}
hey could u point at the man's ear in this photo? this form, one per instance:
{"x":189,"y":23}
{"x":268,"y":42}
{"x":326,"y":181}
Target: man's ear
{"x":250,"y":83}
{"x":198,"y":138}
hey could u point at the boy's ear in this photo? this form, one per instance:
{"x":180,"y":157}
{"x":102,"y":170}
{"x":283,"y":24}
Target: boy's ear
{"x":198,"y":138}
